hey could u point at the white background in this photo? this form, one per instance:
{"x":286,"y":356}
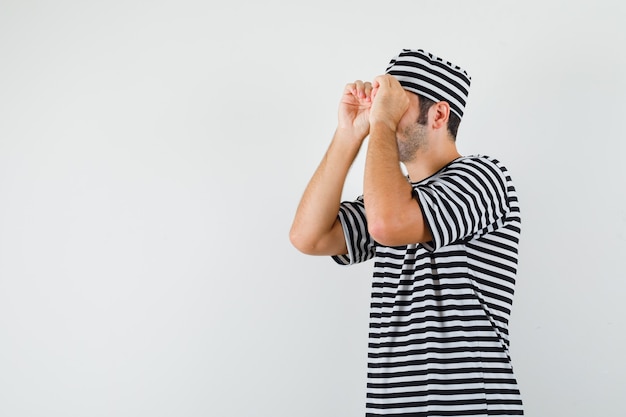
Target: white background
{"x":152,"y":154}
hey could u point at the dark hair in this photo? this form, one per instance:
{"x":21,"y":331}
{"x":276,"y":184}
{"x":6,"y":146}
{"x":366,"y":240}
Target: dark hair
{"x":453,"y":120}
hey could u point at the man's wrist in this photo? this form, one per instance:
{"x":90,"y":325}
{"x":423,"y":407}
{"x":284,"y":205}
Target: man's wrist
{"x":383,"y":127}
{"x":350,"y":134}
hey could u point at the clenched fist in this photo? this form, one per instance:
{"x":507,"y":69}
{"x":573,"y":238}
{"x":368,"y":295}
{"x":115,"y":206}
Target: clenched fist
{"x":354,"y":108}
{"x":389,"y":102}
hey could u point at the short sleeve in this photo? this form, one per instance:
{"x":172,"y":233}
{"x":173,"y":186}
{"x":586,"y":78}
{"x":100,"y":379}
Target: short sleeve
{"x":465,"y":201}
{"x":361,"y":246}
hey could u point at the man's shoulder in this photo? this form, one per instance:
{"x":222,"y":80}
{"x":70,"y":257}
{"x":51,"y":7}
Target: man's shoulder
{"x":478,"y":159}
{"x":480,"y":172}
{"x":478,"y":162}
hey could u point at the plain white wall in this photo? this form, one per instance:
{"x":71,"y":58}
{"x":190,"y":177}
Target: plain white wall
{"x":152,"y":154}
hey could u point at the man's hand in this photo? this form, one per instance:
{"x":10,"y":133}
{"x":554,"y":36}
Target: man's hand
{"x":389,"y":102}
{"x":354,"y":109}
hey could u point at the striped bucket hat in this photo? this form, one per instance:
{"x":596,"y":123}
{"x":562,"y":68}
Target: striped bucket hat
{"x":432,"y":77}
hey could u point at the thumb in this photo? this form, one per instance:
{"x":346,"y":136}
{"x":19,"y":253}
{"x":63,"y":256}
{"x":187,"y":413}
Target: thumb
{"x":375,"y":89}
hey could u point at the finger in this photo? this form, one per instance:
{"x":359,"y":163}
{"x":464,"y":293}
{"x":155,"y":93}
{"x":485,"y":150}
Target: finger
{"x":380,"y":81}
{"x":360,"y":89}
{"x":367,"y":87}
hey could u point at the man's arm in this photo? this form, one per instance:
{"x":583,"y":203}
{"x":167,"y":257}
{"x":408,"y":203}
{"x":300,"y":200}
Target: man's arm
{"x":394,"y":217}
{"x":316,"y":229}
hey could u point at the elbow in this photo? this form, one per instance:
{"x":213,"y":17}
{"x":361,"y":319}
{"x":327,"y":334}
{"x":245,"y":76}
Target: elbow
{"x":384,"y":232}
{"x":301,"y":242}
{"x":392,"y":231}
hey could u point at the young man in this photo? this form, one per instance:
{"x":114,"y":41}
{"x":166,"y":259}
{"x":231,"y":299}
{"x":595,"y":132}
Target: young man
{"x":444,"y":241}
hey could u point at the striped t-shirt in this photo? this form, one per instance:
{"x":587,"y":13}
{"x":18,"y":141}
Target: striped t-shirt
{"x":438,"y":339}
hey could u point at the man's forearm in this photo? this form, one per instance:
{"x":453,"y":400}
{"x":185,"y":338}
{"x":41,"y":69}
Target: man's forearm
{"x":316,"y":214}
{"x":387,"y":193}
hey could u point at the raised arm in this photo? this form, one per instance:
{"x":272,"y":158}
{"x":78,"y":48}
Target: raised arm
{"x":394,"y":217}
{"x":316,"y":229}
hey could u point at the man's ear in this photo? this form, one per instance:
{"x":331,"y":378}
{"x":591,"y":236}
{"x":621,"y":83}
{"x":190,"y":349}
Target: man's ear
{"x":440,"y":113}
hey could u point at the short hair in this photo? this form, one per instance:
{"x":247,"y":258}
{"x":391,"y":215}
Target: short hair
{"x":453,"y":120}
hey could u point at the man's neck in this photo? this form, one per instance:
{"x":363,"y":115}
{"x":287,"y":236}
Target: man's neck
{"x":429,"y":161}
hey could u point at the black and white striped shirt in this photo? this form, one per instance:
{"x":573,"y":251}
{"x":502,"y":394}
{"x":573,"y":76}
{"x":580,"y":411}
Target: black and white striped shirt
{"x":438,"y":340}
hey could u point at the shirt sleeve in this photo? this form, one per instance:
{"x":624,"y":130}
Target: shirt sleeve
{"x":468,"y":200}
{"x":361,"y":246}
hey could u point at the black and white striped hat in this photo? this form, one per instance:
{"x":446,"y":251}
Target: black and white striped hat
{"x":432,"y":77}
